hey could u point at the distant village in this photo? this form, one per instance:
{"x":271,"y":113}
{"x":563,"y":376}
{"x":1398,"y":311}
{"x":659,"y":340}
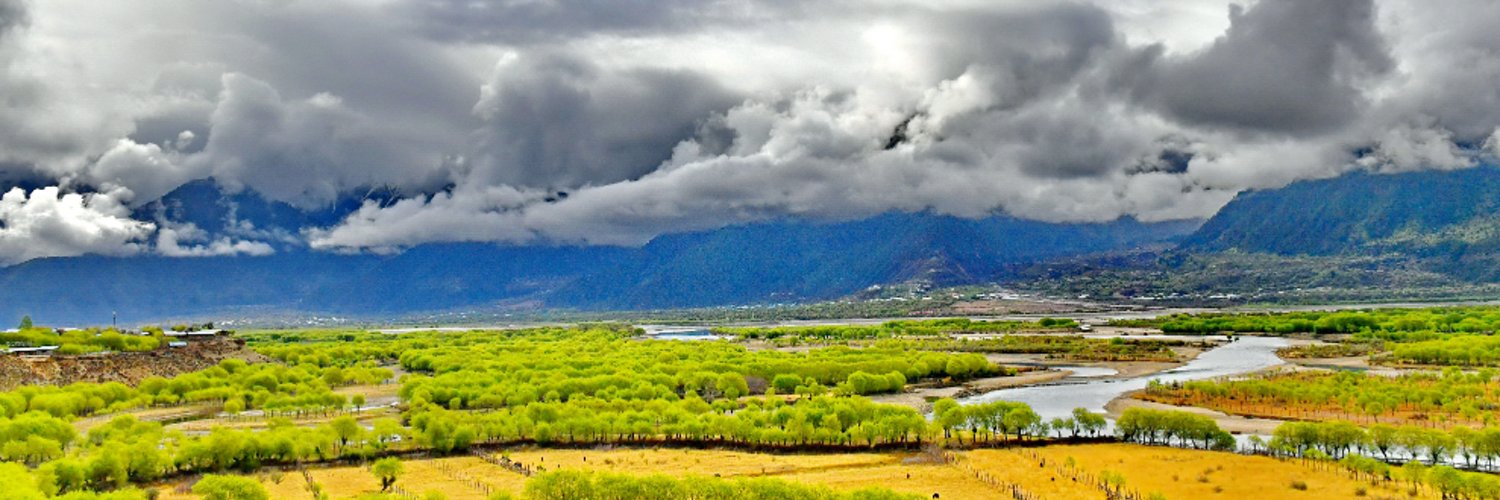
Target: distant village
{"x":29,"y":340}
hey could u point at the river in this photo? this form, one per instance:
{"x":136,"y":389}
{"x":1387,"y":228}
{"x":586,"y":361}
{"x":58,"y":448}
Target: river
{"x":1247,"y":354}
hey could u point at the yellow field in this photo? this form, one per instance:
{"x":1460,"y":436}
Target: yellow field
{"x":281,"y":485}
{"x":701,"y":462}
{"x":1176,"y":473}
{"x":1018,"y":467}
{"x":923,"y":479}
{"x":1179,"y":473}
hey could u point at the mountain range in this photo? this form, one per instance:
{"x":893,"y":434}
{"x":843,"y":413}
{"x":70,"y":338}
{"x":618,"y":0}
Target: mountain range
{"x":1416,"y":236}
{"x":771,"y":262}
{"x":1447,"y":222}
{"x":1439,"y":226}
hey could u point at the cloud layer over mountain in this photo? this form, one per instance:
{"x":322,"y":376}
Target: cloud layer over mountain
{"x":612,"y":122}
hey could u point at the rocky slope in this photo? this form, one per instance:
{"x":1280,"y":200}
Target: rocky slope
{"x":129,"y":368}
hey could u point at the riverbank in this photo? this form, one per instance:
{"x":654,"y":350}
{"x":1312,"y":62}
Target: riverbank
{"x":1051,"y":371}
{"x":1122,"y":369}
{"x":1245,"y":355}
{"x":1234,"y":424}
{"x":921,"y":398}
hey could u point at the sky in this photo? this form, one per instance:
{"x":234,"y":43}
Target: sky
{"x":609,"y":122}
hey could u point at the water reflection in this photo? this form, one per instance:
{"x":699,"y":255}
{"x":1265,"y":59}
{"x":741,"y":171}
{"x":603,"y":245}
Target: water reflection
{"x":686,"y":335}
{"x":1245,"y":355}
{"x":1088,"y":371}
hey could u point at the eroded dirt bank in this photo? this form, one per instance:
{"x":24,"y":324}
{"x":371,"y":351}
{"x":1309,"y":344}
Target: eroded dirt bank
{"x":126,"y":367}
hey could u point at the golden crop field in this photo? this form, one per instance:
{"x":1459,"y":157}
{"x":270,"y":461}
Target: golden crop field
{"x":1045,"y":472}
{"x":1181,"y":473}
{"x":686,"y":461}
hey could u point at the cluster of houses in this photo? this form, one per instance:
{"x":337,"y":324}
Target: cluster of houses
{"x":42,"y":350}
{"x":175,"y":339}
{"x":181,"y":339}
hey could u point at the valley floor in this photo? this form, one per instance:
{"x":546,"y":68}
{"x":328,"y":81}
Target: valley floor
{"x":1052,"y":472}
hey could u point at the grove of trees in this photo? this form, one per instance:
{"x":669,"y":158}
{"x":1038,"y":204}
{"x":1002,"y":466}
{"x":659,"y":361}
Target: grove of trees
{"x":1441,"y":399}
{"x":895,"y":328}
{"x":1167,"y":427}
{"x":1429,"y":455}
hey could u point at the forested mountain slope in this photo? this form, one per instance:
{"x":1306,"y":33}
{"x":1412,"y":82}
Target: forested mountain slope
{"x":1423,"y":213}
{"x":1447,"y":221}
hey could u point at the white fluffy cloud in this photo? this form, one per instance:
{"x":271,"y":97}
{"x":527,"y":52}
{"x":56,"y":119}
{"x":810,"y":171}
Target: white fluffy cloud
{"x":148,"y":171}
{"x":48,"y":223}
{"x":187,"y":240}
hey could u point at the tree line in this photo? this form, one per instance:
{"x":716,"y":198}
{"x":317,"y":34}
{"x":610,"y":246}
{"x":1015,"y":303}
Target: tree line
{"x":1441,"y":399}
{"x":1168,"y":427}
{"x":1388,"y":324}
{"x":601,"y":364}
{"x":1355,"y":447}
{"x":1071,"y":347}
{"x":895,"y":328}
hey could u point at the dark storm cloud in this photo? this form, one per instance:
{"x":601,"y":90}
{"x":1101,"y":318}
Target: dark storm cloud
{"x":37,"y":218}
{"x":1032,"y":51}
{"x":555,"y":120}
{"x":304,"y":151}
{"x":529,"y":21}
{"x":1035,"y":111}
{"x":12,"y":16}
{"x":1450,"y":69}
{"x":41,"y":133}
{"x":1284,"y":66}
{"x":678,"y":115}
{"x":361,"y":56}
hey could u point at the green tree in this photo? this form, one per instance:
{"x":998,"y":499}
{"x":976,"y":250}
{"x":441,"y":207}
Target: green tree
{"x":61,"y":476}
{"x":786,"y":383}
{"x":347,"y":429}
{"x":1414,"y":472}
{"x":216,"y":487}
{"x":387,"y":470}
{"x":1447,"y":480}
{"x":1088,"y":422}
{"x":18,"y":484}
{"x":1021,"y":420}
{"x":1113,"y":481}
{"x":732,"y":385}
{"x":949,"y":415}
{"x":561,"y":485}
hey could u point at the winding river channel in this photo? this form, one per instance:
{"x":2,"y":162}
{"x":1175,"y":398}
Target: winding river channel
{"x":1247,"y":354}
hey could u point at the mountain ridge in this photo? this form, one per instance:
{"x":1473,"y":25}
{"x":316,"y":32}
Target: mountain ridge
{"x":1358,"y":213}
{"x":1426,"y":235}
{"x":769,"y":262}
